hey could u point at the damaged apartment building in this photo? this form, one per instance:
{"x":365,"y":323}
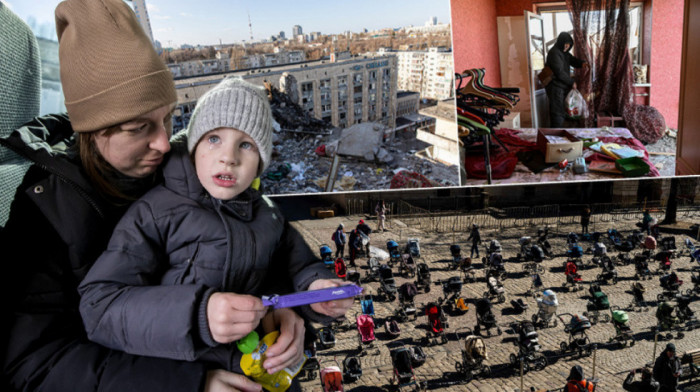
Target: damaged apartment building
{"x":349,"y":105}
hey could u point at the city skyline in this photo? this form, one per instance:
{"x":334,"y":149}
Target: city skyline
{"x":210,"y":22}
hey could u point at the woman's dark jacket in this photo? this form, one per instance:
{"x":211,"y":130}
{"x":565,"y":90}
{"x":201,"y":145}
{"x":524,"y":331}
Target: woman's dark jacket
{"x":148,"y":292}
{"x":57,"y":227}
{"x":561,"y":61}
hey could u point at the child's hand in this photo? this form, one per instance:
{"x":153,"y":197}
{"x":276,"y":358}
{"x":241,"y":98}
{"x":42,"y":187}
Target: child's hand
{"x":232,"y":316}
{"x":335,"y":308}
{"x":289,"y":346}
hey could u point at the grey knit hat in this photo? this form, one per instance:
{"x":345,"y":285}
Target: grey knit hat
{"x":234,"y":103}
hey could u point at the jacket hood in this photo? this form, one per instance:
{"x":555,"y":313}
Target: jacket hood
{"x":576,"y":373}
{"x":563,"y":39}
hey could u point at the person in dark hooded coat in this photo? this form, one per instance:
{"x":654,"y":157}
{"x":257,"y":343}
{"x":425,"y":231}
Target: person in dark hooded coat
{"x":576,"y":382}
{"x":560,"y":61}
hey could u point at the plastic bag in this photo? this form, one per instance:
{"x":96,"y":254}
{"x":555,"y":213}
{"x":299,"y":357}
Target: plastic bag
{"x":576,"y":107}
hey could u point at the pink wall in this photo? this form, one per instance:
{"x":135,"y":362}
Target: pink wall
{"x":475,"y":38}
{"x":666,"y":50}
{"x":666,"y":47}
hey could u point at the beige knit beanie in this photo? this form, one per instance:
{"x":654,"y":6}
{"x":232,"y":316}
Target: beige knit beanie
{"x":234,"y":103}
{"x":109,"y":70}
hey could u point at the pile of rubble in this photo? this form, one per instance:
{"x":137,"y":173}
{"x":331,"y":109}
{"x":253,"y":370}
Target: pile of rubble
{"x":304,"y":147}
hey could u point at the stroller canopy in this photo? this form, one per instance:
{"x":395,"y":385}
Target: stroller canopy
{"x":407,"y":291}
{"x":454,"y":284}
{"x":475,"y":348}
{"x":483,"y":306}
{"x":525,"y":240}
{"x":455,"y":249}
{"x":325,"y":250}
{"x":401,"y":359}
{"x":579,"y":323}
{"x":550,"y":298}
{"x":391,"y":245}
{"x":494,"y":246}
{"x":385,"y":272}
{"x":620,"y":316}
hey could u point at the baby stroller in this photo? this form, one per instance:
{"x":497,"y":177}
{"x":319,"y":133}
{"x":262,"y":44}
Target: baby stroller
{"x":341,"y":270}
{"x":670,"y":285}
{"x":437,"y":322}
{"x":311,"y":366}
{"x":372,"y":269}
{"x":403,"y":375}
{"x":473,"y":356}
{"x":575,"y":254}
{"x":418,"y":356}
{"x":536,"y":285}
{"x":394,"y":254}
{"x":407,"y":293}
{"x":467,"y":269}
{"x":668,"y":321}
{"x":684,"y":313}
{"x":496,"y":268}
{"x":327,"y":255}
{"x":365,"y":329}
{"x":423,"y":277}
{"x":614,"y":237}
{"x":332,"y":379}
{"x":495,"y":290}
{"x":596,"y":305}
{"x":392,"y":328}
{"x":326,"y":337}
{"x":573,"y":278}
{"x":413,"y":247}
{"x":641,"y":267}
{"x":609,"y":272}
{"x":599,"y":251}
{"x":456,"y":252}
{"x":529,"y":349}
{"x":543,"y":241}
{"x":493,"y":247}
{"x":451,"y":288}
{"x":578,"y":337}
{"x":695,"y":279}
{"x":387,"y":286}
{"x":352,"y":369}
{"x":367,"y":304}
{"x":664,"y":260}
{"x":693,"y":251}
{"x":668,"y":244}
{"x":546,"y":310}
{"x":485,"y":318}
{"x":638,"y":303}
{"x":407,"y":266}
{"x":623,"y":332}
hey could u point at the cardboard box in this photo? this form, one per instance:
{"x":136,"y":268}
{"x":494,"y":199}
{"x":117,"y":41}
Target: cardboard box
{"x":557,"y":152}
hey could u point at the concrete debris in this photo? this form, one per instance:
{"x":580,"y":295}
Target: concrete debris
{"x":366,"y":161}
{"x":288,"y":86}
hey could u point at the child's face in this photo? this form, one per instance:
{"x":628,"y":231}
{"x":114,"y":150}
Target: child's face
{"x":226,"y":161}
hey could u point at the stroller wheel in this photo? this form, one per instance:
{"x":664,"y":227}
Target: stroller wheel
{"x":459,"y":368}
{"x":477,"y":329}
{"x":534,"y":319}
{"x":555,"y":323}
{"x":660,"y":297}
{"x":606,"y":318}
{"x":444,"y":339}
{"x":485,"y":371}
{"x":541,"y":362}
{"x":680,"y":335}
{"x":513,"y":360}
{"x":499,"y":331}
{"x":563,"y":346}
{"x":486,"y":294}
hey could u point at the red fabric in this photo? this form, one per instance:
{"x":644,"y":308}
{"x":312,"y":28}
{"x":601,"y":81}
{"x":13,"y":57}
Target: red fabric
{"x":634,"y":143}
{"x":410,"y":179}
{"x":502,"y":163}
{"x":321,"y":150}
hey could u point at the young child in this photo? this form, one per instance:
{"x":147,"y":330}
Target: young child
{"x":165,"y":285}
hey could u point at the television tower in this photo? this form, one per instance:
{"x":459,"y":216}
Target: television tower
{"x":250,"y":25}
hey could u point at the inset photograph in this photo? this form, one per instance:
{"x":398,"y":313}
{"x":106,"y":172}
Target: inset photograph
{"x":571,"y":92}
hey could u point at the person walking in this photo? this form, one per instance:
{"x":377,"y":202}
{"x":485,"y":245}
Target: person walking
{"x":475,"y":236}
{"x":381,"y":215}
{"x":585,"y":219}
{"x":560,"y":61}
{"x":355,"y":242}
{"x":339,"y":239}
{"x":667,"y":369}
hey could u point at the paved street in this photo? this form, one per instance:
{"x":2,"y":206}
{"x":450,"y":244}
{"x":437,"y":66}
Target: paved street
{"x":439,"y":369}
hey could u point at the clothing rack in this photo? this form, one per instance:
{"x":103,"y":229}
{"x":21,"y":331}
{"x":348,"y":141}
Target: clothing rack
{"x":480,"y":108}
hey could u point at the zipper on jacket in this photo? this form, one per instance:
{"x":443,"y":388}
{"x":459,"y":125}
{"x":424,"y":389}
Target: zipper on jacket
{"x":65,"y":179}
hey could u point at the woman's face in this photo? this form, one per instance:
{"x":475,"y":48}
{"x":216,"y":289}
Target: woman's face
{"x":138,"y":148}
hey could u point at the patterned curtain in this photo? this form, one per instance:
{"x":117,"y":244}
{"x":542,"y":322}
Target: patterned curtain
{"x":609,"y":84}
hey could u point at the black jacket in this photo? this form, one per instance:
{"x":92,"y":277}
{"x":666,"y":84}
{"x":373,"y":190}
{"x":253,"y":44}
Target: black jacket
{"x":561,"y":61}
{"x":57,"y":227}
{"x":148,"y":292}
{"x":665,"y":368}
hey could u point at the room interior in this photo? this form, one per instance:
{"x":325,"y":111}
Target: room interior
{"x":498,"y":37}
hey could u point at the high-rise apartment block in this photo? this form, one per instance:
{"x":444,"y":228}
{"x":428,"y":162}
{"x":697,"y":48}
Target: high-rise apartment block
{"x":296,"y":31}
{"x":142,"y":15}
{"x":429,"y":72}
